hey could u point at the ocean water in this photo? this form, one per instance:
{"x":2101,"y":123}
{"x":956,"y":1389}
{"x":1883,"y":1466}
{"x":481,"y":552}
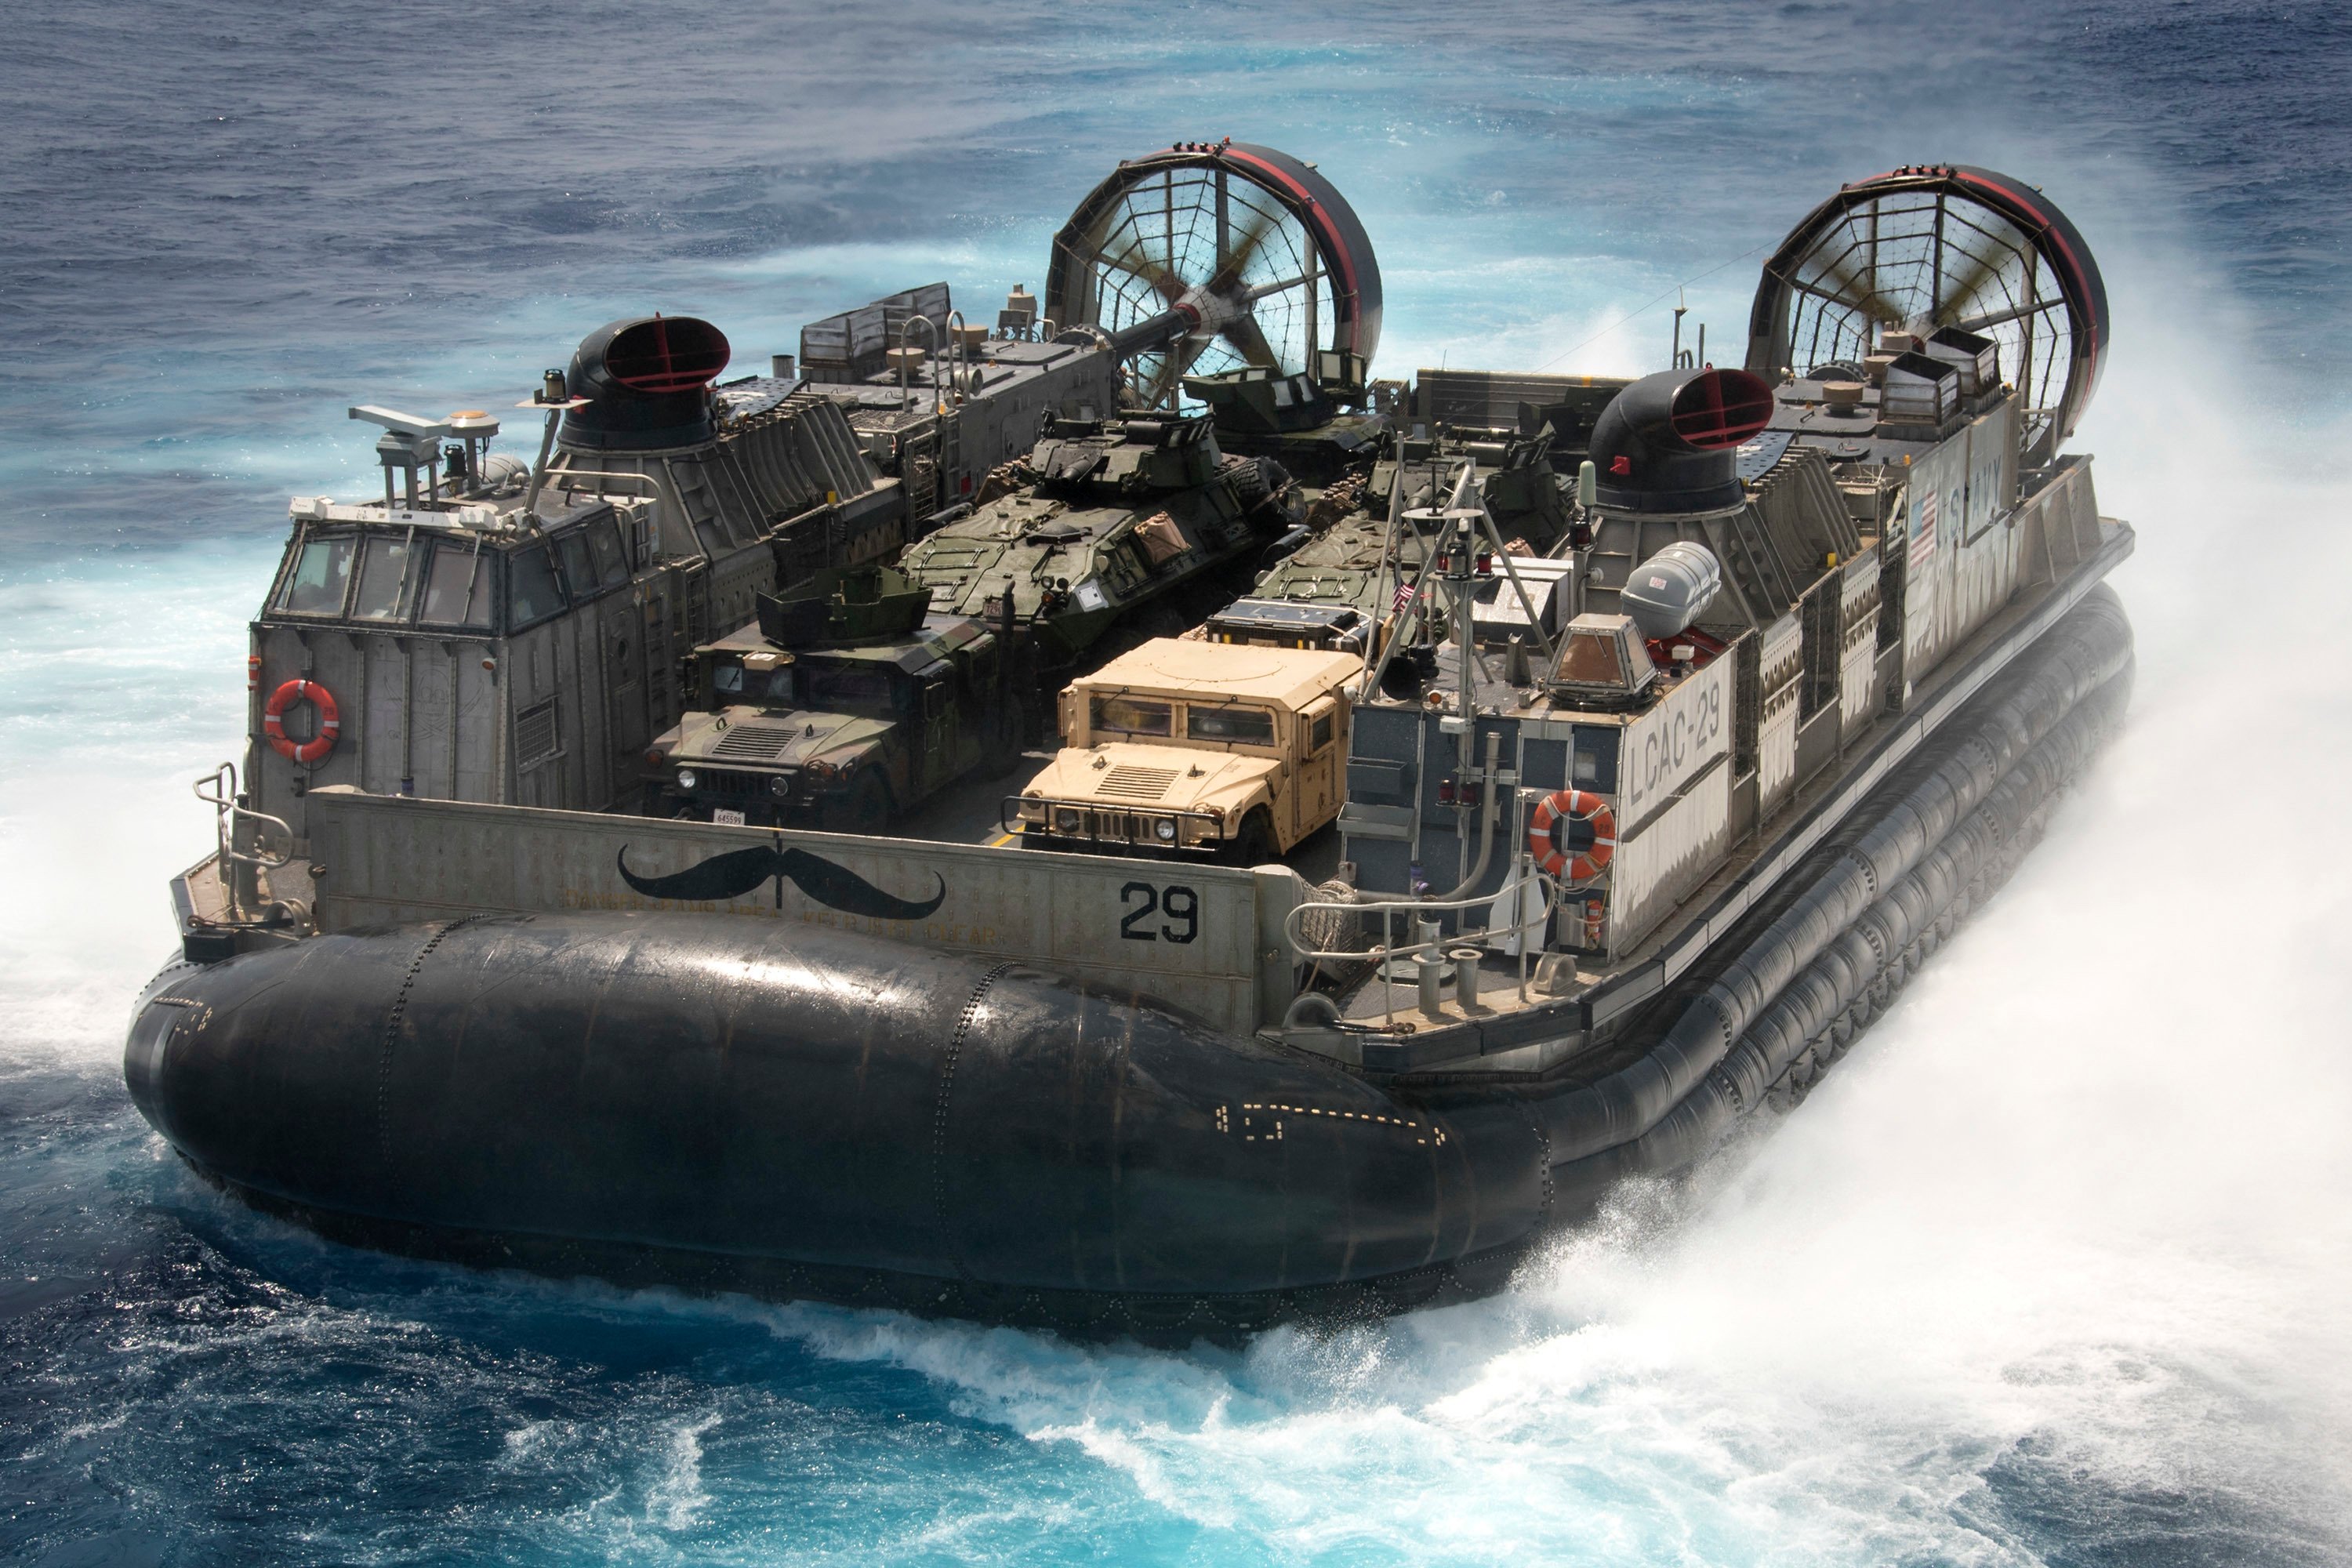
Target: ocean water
{"x":2052,"y":1271}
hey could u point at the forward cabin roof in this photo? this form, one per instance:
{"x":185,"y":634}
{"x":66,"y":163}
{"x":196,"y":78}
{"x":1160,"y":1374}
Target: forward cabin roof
{"x":1293,"y":677}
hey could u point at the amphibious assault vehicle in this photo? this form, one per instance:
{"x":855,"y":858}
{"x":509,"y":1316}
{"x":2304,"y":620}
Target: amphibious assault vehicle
{"x":1613,"y":866}
{"x":1112,"y":519}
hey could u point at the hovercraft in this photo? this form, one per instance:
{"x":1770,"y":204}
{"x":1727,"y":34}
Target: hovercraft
{"x":1591,"y":854}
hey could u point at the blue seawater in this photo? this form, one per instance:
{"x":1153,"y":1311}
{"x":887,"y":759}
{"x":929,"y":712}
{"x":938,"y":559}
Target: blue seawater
{"x":2053,"y":1271}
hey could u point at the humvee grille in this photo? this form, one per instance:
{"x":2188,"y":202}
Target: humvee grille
{"x":1130,"y":782}
{"x":755,"y":743}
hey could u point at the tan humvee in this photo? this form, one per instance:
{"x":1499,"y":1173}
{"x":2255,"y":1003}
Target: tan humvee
{"x":1197,"y":748}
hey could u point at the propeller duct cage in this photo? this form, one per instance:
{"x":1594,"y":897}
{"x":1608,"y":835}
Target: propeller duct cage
{"x":1217,"y":256}
{"x":1937,"y":249}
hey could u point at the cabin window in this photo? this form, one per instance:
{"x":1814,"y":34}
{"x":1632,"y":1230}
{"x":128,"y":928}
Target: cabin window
{"x":726,"y":679}
{"x":457,"y":587}
{"x":383,"y":580}
{"x":612,"y":569}
{"x":1591,"y":659}
{"x":316,"y":587}
{"x":531,"y":593}
{"x":780,"y":685}
{"x":579,"y":572}
{"x":1250,"y":726}
{"x":1321,"y":736}
{"x":1132,"y":716}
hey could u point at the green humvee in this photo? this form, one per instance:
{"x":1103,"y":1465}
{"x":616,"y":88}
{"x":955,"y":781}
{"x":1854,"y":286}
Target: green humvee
{"x":844,"y":704}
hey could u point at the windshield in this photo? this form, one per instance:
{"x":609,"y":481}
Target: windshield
{"x":384,"y":581}
{"x":457,"y":587}
{"x":1251,"y":726}
{"x":848,"y":690}
{"x":1133,"y":716}
{"x":316,"y":585}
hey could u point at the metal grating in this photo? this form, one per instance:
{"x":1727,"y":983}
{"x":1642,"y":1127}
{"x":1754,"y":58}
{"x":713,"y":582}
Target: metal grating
{"x":537,"y":739}
{"x":754,"y":742}
{"x":1131,"y":782}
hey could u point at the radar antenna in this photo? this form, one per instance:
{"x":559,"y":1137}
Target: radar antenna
{"x":1212,"y":257}
{"x":1929,"y":248}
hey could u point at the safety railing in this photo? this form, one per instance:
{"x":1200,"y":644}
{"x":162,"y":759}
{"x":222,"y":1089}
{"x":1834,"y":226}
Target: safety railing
{"x":238,"y":830}
{"x":1429,"y":950}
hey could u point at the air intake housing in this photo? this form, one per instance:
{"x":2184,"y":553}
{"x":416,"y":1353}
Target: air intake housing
{"x":646,"y":382}
{"x":1670,"y":441}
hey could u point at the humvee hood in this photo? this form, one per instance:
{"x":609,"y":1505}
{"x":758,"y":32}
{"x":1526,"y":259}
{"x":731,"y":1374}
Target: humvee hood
{"x":1144,"y":778}
{"x":766,"y":738}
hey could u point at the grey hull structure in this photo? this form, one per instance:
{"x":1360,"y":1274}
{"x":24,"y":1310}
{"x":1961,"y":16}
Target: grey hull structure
{"x":716,"y":1102}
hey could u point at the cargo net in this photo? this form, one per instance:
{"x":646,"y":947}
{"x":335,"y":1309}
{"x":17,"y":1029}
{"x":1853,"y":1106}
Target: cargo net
{"x":1919,"y":260}
{"x":1178,"y":230}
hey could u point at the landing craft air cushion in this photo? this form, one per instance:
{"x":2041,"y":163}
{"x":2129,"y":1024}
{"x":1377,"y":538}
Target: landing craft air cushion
{"x":1637,"y":828}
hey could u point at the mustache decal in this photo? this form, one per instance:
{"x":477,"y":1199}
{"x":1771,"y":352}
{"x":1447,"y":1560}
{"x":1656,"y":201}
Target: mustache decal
{"x":739,"y":871}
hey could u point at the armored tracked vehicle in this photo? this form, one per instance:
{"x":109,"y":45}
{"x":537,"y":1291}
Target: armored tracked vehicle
{"x":1115,"y":516}
{"x":1830,"y":640}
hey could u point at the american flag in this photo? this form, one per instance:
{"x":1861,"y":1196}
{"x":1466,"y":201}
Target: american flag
{"x":1923,"y":532}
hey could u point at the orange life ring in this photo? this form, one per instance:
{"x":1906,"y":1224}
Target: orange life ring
{"x":316,"y":748}
{"x":1543,"y":842}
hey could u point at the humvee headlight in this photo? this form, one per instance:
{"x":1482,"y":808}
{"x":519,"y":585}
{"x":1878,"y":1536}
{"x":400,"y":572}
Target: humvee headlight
{"x":686,"y":778}
{"x":1066,"y":820}
{"x":780,"y":784}
{"x":1164,"y":830}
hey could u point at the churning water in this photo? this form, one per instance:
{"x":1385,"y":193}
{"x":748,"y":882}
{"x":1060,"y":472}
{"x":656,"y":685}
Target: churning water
{"x":2051,"y":1271}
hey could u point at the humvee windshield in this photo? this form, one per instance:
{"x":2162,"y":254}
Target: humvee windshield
{"x":734,"y":681}
{"x":1250,"y":726}
{"x":1133,"y":716}
{"x":847,"y":690}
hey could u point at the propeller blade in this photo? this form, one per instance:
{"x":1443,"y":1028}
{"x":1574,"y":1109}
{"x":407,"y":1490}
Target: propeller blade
{"x":1252,"y":234}
{"x":1173,"y":363}
{"x":1963,"y":292}
{"x":1857,"y":295}
{"x":1248,"y":341}
{"x":1130,"y":259}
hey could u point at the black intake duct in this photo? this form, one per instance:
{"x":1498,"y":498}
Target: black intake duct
{"x":1669,"y":442}
{"x":645,"y":381}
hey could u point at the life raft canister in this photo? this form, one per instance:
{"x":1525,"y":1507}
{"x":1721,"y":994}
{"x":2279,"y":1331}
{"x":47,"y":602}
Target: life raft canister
{"x":1544,"y":840}
{"x":316,"y":748}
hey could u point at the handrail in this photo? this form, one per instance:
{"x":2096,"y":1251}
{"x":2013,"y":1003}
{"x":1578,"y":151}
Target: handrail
{"x":237,"y":829}
{"x":1385,"y":951}
{"x":224,"y":800}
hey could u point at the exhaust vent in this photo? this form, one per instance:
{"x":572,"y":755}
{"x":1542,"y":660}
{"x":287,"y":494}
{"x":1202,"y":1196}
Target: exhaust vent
{"x":643,"y":384}
{"x":1669,"y":443}
{"x":666,"y":354}
{"x":1720,"y":408}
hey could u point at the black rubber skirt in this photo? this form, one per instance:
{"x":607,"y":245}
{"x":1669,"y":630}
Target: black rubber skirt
{"x":719,"y":1103}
